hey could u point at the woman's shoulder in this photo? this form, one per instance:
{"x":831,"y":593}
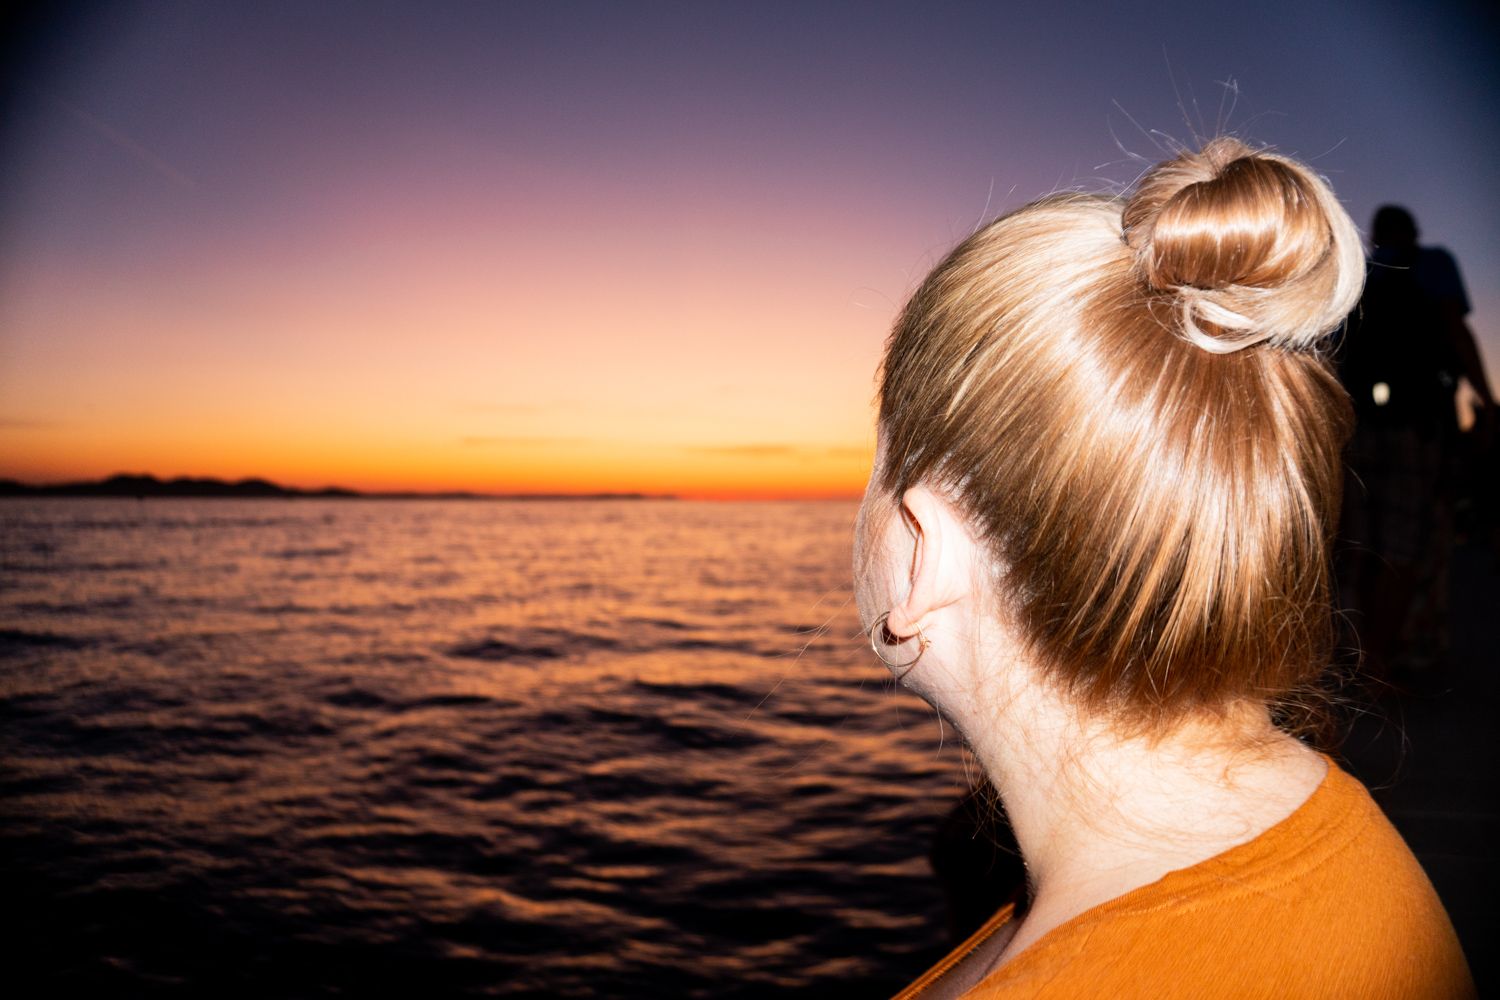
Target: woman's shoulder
{"x":1328,"y":902}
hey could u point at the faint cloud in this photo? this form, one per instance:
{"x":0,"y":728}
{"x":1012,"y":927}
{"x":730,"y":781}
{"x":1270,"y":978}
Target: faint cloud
{"x":778,"y":451}
{"x":124,"y":142}
{"x":504,"y":408}
{"x":513,"y":440}
{"x":745,"y":450}
{"x":25,"y":424}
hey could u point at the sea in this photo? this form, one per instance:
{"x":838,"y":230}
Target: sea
{"x":356,"y":747}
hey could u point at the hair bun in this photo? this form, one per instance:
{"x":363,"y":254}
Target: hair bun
{"x":1255,"y":246}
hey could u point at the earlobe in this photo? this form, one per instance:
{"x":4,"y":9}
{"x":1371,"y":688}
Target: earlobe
{"x":938,"y":577}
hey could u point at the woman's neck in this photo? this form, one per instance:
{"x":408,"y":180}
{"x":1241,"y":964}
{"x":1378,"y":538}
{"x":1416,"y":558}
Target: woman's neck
{"x":1097,"y":814}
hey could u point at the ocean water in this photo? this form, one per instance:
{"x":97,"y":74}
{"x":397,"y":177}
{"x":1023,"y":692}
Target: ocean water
{"x":455,"y":748}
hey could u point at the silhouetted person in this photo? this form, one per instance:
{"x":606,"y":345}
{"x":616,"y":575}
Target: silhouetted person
{"x":1407,"y":345}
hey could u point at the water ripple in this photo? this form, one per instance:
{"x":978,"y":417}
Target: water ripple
{"x":264,"y":748}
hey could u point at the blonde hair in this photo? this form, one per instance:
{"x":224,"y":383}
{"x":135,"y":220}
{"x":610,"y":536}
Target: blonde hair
{"x":1129,"y":400}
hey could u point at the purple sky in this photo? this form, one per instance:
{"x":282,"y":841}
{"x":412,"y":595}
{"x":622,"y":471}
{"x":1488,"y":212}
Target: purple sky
{"x":161,"y":161}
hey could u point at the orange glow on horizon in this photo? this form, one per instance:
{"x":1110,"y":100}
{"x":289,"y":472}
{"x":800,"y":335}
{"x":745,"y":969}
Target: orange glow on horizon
{"x":452,"y":341}
{"x":40,"y":455}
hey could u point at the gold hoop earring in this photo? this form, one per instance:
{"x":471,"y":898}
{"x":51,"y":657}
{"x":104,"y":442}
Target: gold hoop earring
{"x":880,"y":626}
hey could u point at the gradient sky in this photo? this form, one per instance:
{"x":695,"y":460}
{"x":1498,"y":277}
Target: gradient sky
{"x":580,"y":247}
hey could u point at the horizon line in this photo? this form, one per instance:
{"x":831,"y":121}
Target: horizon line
{"x":145,"y":484}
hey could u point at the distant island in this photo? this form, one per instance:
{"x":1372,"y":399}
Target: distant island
{"x":141,"y":486}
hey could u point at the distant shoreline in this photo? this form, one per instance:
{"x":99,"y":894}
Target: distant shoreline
{"x":142,"y":486}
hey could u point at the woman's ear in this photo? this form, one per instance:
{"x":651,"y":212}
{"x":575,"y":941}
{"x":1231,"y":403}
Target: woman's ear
{"x":942,"y":557}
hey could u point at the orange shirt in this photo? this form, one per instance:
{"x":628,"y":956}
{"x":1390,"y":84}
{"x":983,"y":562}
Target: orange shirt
{"x":1330,"y":902}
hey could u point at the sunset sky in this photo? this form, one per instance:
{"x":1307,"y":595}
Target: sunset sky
{"x":618,"y":246}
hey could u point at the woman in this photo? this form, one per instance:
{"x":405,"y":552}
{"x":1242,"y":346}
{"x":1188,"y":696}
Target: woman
{"x":1096,"y":540}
